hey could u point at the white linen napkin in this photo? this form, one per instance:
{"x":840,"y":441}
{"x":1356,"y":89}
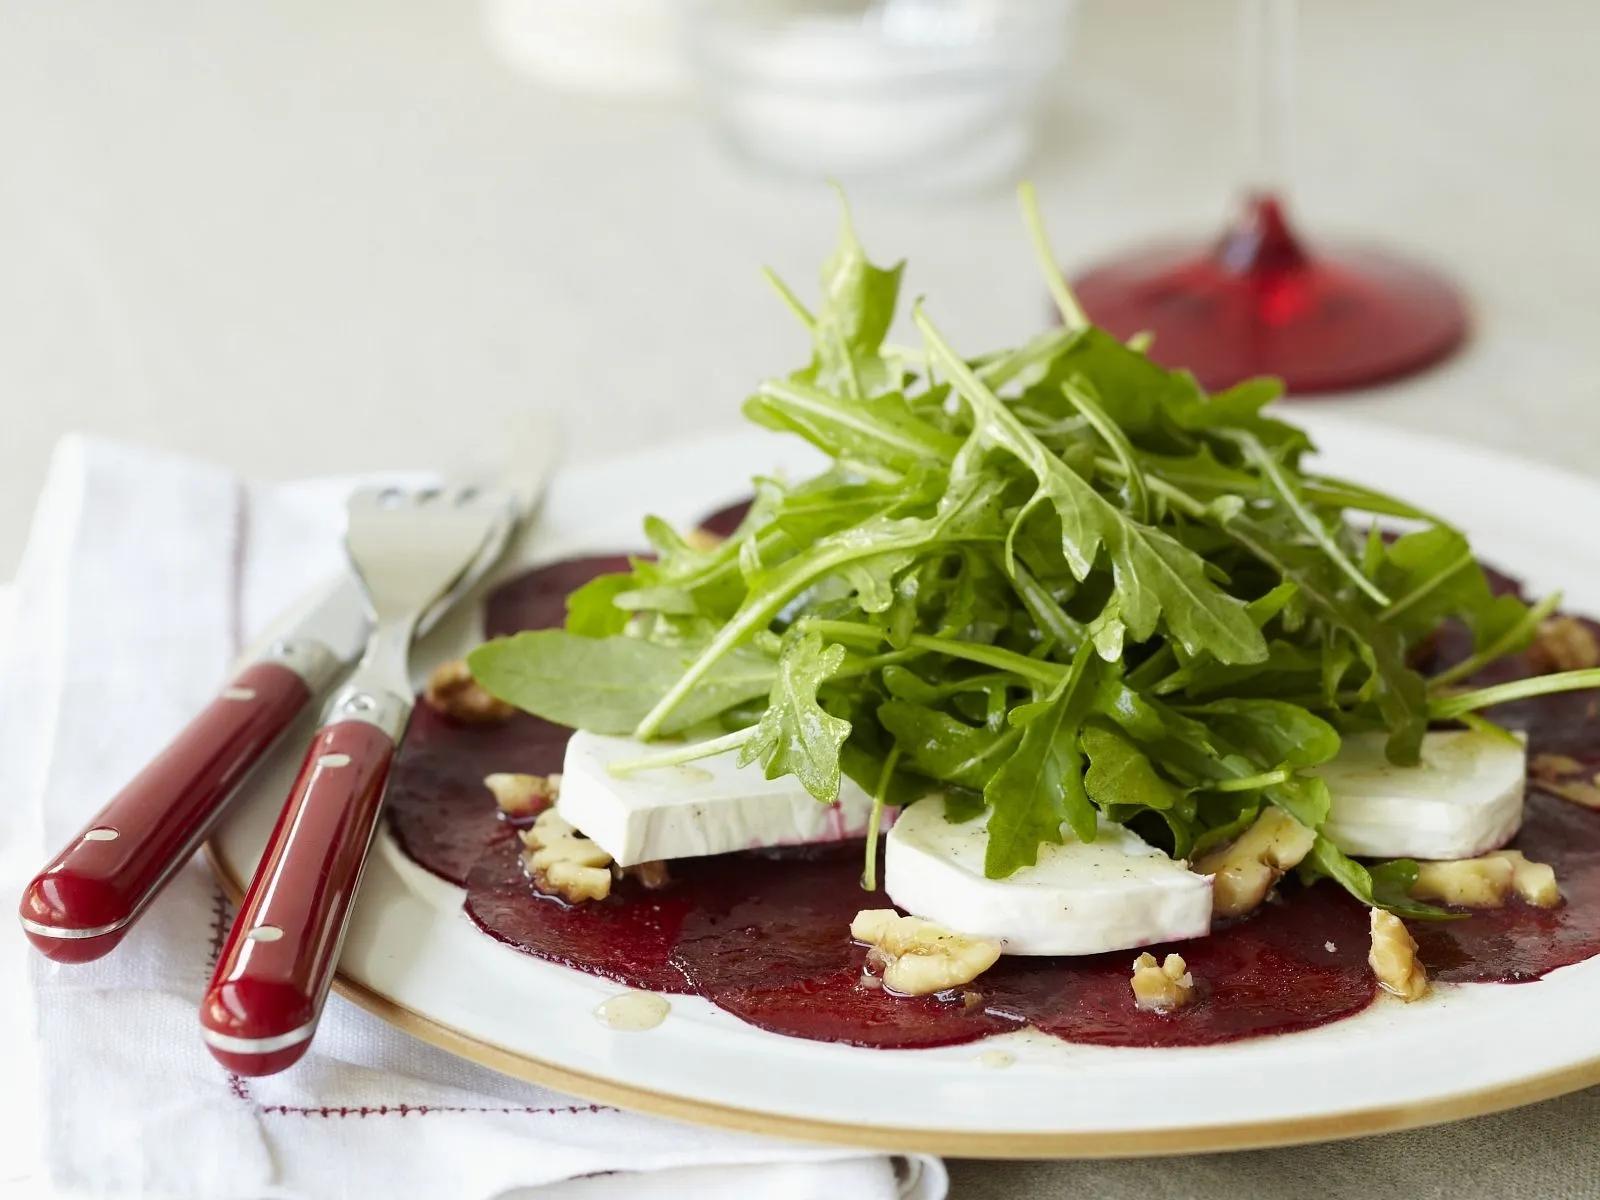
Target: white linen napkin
{"x":143,"y":575}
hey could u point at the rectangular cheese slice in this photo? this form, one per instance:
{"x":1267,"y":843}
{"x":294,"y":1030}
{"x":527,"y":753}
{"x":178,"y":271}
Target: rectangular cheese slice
{"x":709,"y":806}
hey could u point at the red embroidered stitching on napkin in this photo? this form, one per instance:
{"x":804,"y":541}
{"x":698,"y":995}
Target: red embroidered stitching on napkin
{"x":221,"y":919}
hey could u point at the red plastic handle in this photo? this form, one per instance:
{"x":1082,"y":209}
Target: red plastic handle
{"x":267,"y":992}
{"x":85,"y":901}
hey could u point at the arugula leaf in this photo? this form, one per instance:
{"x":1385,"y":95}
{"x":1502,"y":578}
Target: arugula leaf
{"x":1401,"y":696}
{"x":858,"y":303}
{"x":795,"y":735}
{"x":1041,"y":785}
{"x":970,"y":512}
{"x":606,"y":685}
{"x":942,"y":748}
{"x":1385,"y":889}
{"x":1274,"y":473}
{"x":1239,"y":409}
{"x":961,"y":807}
{"x":1433,"y":574}
{"x":872,"y":579}
{"x":1272,"y":731}
{"x":1154,"y":575}
{"x":878,"y":429}
{"x":1136,"y":393}
{"x":592,"y":609}
{"x":1120,"y":774}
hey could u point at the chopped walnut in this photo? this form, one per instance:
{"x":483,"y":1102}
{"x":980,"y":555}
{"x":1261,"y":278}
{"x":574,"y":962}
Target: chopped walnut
{"x":1563,"y":776}
{"x":1469,"y":882}
{"x":523,"y":795}
{"x":1577,"y":790}
{"x":454,"y":692}
{"x":1535,"y":882}
{"x":1393,"y":958}
{"x":1563,"y":644}
{"x":703,"y":540}
{"x":919,"y":957}
{"x":651,"y":875}
{"x":1162,"y":987}
{"x":1487,"y":881}
{"x":1246,"y":869}
{"x":562,"y":862}
{"x":1554,"y":766}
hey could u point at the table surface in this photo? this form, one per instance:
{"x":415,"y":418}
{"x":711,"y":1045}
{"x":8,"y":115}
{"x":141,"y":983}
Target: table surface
{"x":300,"y":237}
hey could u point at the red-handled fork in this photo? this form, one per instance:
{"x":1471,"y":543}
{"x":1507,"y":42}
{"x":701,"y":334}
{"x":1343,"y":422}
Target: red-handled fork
{"x":410,"y":550}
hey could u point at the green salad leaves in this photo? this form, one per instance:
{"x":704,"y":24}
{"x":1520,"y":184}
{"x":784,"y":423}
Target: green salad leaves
{"x":1058,"y":582}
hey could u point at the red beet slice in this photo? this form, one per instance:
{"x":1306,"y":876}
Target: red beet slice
{"x":439,"y":810}
{"x":1272,"y":972}
{"x":774,"y":948}
{"x":627,"y":937}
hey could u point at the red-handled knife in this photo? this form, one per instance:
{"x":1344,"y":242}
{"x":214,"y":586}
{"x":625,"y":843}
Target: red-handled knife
{"x":412,"y":551}
{"x":89,"y":895}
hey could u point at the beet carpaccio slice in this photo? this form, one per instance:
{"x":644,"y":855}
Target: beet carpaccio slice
{"x":765,"y":934}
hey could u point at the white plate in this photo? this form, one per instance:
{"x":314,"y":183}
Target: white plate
{"x":413,"y":957}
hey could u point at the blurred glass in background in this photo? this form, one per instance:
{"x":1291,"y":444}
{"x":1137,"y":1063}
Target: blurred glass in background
{"x":903,"y":95}
{"x":604,"y":47}
{"x":908,"y":96}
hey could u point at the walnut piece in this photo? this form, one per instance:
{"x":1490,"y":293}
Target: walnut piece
{"x":1554,"y":766}
{"x":1469,"y":882}
{"x":1487,"y":881}
{"x":1162,"y":987}
{"x":1563,"y":776}
{"x":523,"y":795}
{"x":562,"y":862}
{"x":703,"y":540}
{"x":1246,"y":869}
{"x":1535,"y":882}
{"x":1563,"y":644}
{"x":454,"y":692}
{"x":919,"y":957}
{"x":651,"y":875}
{"x":1393,"y":958}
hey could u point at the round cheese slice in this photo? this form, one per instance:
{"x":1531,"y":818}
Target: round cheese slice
{"x":1464,"y":799}
{"x":1114,"y":893}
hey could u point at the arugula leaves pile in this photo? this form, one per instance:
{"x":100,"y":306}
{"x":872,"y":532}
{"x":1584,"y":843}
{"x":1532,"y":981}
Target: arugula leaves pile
{"x":1056,"y":581}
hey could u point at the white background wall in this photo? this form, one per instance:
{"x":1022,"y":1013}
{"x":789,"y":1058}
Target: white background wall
{"x":302,"y":236}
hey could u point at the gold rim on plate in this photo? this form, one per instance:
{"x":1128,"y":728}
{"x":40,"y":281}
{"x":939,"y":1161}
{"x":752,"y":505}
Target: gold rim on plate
{"x":1190,"y":1139}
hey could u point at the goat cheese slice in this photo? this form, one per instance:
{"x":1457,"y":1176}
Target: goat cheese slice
{"x":1114,"y":893}
{"x":1464,"y":799}
{"x":709,"y":806}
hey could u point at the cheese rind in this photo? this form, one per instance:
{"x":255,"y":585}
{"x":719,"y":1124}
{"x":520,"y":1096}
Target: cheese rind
{"x":709,"y":806}
{"x":1463,"y":800}
{"x":1114,"y":893}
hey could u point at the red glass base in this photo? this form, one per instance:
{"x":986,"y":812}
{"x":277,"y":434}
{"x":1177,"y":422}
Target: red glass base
{"x":1258,"y":303}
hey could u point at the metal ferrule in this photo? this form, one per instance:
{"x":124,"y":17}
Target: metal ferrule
{"x":374,"y":705}
{"x":307,"y":658}
{"x":379,"y":691}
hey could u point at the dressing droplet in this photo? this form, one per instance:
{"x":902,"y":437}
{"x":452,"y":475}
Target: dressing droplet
{"x":633,"y":1011}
